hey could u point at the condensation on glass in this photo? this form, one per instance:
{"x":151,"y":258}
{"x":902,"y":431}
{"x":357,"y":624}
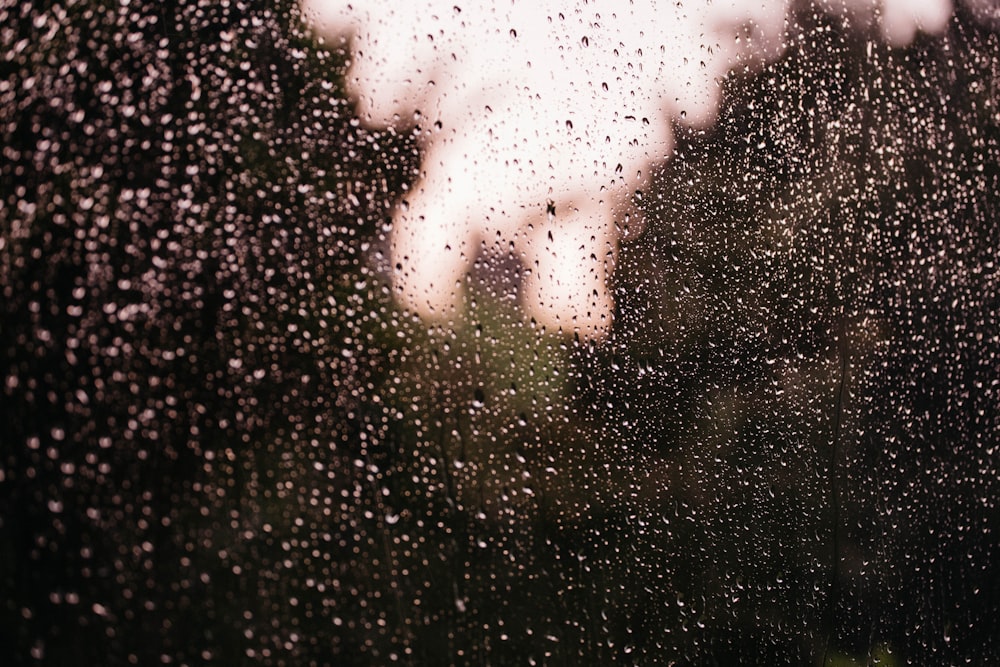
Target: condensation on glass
{"x":499,"y":333}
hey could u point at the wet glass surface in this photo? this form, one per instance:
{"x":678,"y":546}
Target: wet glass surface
{"x":552,"y":334}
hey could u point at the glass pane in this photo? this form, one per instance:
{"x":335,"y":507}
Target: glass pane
{"x":511,"y":333}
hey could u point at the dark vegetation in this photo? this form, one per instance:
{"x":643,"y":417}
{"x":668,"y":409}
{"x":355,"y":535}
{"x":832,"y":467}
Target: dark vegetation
{"x":221,"y":444}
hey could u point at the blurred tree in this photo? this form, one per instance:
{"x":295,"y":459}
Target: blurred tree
{"x":226,"y":445}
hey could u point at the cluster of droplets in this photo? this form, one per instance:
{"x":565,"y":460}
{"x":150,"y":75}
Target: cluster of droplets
{"x":225,"y":445}
{"x":540,"y":123}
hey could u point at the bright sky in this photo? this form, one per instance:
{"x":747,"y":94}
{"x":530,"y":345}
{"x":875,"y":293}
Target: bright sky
{"x":533,"y":107}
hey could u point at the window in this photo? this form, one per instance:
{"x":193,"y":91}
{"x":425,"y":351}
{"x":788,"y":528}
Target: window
{"x":447,"y":334}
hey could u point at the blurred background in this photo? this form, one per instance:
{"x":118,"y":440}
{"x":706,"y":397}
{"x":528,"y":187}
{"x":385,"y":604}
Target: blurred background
{"x":224,"y":440}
